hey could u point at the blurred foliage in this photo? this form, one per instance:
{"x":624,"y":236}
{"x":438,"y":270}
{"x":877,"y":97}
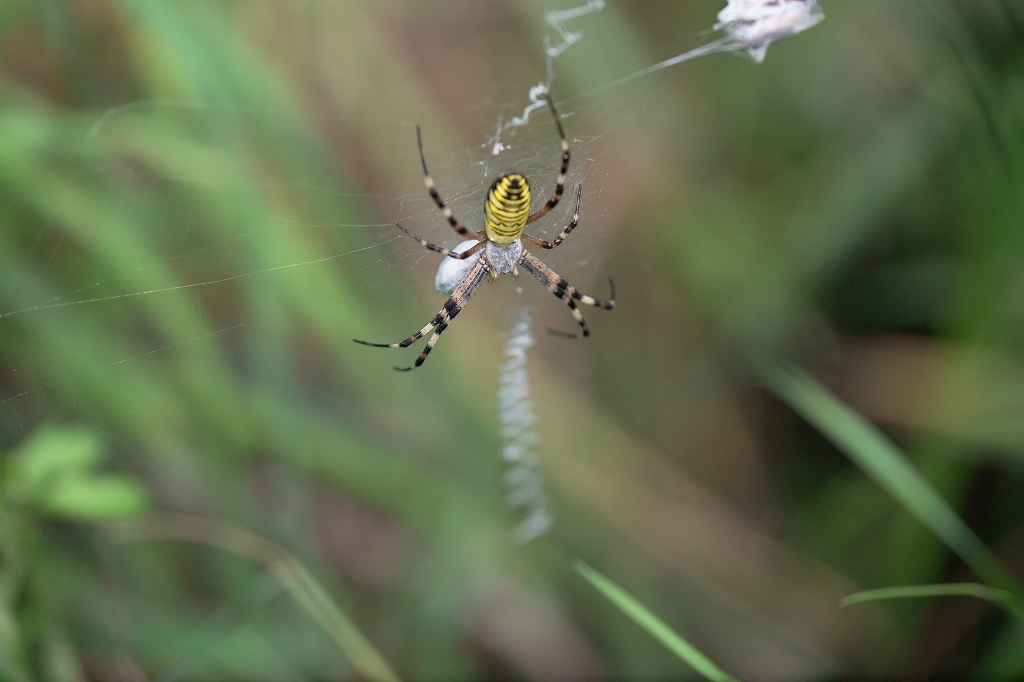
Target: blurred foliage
{"x":196,"y":198}
{"x":51,"y":475}
{"x":643,"y":617}
{"x":54,"y":473}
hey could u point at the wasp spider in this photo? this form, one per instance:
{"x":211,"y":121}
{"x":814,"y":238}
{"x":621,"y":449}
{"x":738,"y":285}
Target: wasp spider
{"x":500,"y":248}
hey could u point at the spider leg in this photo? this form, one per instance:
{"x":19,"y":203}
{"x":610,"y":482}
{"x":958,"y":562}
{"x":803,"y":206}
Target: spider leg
{"x":432,"y":189}
{"x":444,"y":317}
{"x":560,"y":334}
{"x":426,"y":349}
{"x":409,"y":341}
{"x":560,"y":183}
{"x":565,"y":233}
{"x":565,"y":291}
{"x":440,"y":249}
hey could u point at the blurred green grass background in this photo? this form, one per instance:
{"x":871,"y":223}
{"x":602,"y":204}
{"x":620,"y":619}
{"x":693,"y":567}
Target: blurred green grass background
{"x":218,"y":180}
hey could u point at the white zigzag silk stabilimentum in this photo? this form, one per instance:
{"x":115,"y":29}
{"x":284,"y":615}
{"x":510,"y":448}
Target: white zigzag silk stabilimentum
{"x":519,"y":440}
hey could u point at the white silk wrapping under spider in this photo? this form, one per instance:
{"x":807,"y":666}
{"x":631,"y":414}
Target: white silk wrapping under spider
{"x":451,"y":271}
{"x":753,"y":25}
{"x":519,"y":441}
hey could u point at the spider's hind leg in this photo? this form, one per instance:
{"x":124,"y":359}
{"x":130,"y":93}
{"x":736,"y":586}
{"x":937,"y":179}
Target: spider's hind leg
{"x":432,"y":190}
{"x":560,"y":182}
{"x":440,"y":249}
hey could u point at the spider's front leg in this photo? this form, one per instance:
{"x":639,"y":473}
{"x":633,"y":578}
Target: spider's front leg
{"x":452,"y":307}
{"x":565,"y":291}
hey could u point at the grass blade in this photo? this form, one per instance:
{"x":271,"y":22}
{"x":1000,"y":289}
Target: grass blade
{"x":643,"y":617}
{"x":292,"y":575}
{"x":943,"y":590}
{"x":880,"y":459}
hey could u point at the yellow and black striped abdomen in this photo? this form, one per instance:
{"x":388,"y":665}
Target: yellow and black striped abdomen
{"x":507,"y":208}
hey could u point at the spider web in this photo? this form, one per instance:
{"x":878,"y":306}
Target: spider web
{"x":510,"y":131}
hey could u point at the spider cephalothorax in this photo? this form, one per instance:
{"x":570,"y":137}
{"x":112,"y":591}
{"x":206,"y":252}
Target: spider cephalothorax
{"x":500,"y":248}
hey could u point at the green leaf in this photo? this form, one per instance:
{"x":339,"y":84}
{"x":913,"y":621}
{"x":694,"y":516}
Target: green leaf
{"x":50,"y":453}
{"x":96,"y":498}
{"x":880,"y":459}
{"x":657,"y":628}
{"x":940,"y":590}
